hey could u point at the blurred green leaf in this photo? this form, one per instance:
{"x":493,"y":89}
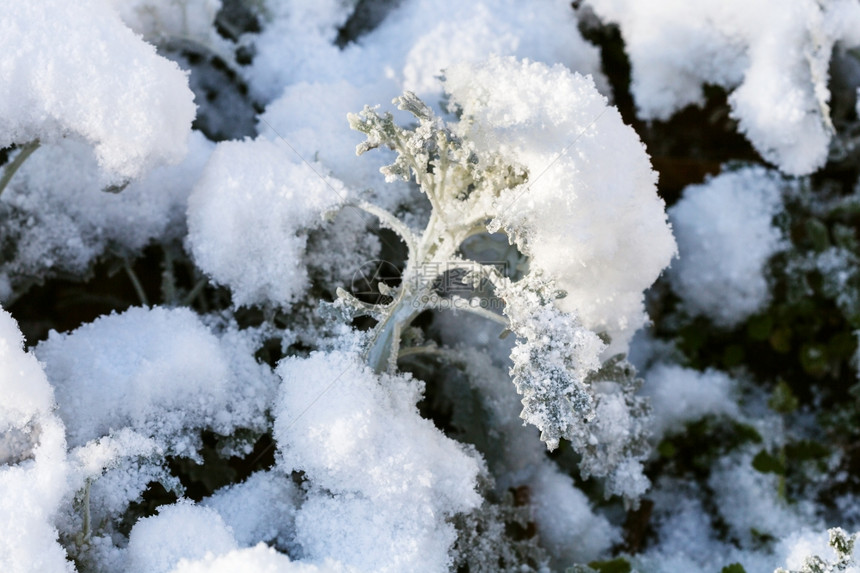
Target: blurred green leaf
{"x":804,"y":450}
{"x":759,"y":327}
{"x":782,"y":399}
{"x":813,"y":359}
{"x":816,"y":232}
{"x":768,"y":464}
{"x":780,"y":340}
{"x":618,"y":565}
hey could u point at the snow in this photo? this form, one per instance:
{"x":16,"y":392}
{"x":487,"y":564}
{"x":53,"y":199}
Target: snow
{"x":254,"y":195}
{"x":260,"y":509}
{"x":34,"y":479}
{"x":159,"y":371}
{"x":179,"y":531}
{"x":257,"y":559}
{"x":602,"y":234}
{"x":312,"y":117}
{"x":131,"y":105}
{"x":737,"y":484}
{"x":565,"y":522}
{"x":798,"y":547}
{"x":420,"y":39}
{"x":772,"y":55}
{"x":680,"y":395}
{"x":412,"y":46}
{"x":382,"y":480}
{"x":726,"y":233}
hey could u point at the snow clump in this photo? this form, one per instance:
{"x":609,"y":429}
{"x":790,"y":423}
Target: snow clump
{"x":726,"y":234}
{"x":588,"y":215}
{"x":133,"y":106}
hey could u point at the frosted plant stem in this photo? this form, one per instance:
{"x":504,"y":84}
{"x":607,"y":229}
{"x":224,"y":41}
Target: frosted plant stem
{"x":87,"y":516}
{"x":194,"y":292}
{"x":138,"y":287}
{"x":391,"y":222}
{"x":84,"y":536}
{"x":382,"y":349}
{"x":10,"y":170}
{"x":466,"y":306}
{"x":168,"y":279}
{"x":435,"y":249}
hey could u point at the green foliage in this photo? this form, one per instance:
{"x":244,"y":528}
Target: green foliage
{"x":617,"y":565}
{"x":694,"y":449}
{"x":765,"y":462}
{"x":733,"y":568}
{"x":783,"y":399}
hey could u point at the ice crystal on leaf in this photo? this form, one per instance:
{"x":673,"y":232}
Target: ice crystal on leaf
{"x":553,"y":356}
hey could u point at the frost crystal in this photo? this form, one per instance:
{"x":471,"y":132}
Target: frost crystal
{"x":553,"y":356}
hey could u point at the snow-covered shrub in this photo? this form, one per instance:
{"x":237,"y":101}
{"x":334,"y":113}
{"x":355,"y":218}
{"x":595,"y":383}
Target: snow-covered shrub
{"x":773,"y":55}
{"x":317,"y":360}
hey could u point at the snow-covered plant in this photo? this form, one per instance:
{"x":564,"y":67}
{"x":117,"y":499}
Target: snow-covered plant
{"x":249,"y":348}
{"x":475,"y":187}
{"x":779,"y":96}
{"x":842,"y":545}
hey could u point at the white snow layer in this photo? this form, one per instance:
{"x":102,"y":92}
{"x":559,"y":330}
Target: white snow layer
{"x":74,"y":69}
{"x":260,"y":509}
{"x":33,"y":468}
{"x":257,"y":559}
{"x":249,"y":216}
{"x":415,"y":42}
{"x":160,"y":372}
{"x":588,"y":216}
{"x":383,"y":480}
{"x":726,"y":234}
{"x":773,"y":55}
{"x":180,"y":531}
{"x":311,"y":92}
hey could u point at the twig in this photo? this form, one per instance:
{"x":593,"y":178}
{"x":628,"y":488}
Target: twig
{"x":138,"y":287}
{"x":10,"y":170}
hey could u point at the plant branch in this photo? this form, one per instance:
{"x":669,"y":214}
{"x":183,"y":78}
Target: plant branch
{"x":391,"y":222}
{"x":138,"y":287}
{"x":12,"y":167}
